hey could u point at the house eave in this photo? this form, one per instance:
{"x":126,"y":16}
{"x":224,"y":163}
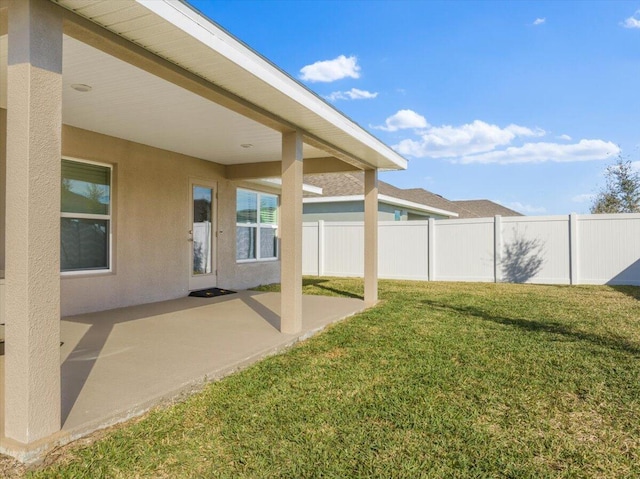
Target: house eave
{"x":176,"y":32}
{"x":276,"y":183}
{"x":383,"y":199}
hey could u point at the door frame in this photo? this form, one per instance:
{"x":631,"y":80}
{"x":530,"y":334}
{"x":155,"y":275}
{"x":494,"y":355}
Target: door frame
{"x":203,"y":281}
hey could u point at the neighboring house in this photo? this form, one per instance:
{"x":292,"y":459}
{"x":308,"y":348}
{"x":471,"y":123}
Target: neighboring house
{"x":342,"y":199}
{"x":159,"y":125}
{"x":482,"y":209}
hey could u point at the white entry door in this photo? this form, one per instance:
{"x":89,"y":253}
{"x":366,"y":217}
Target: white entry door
{"x":202,"y":235}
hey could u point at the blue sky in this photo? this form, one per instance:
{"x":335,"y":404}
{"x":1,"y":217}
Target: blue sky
{"x":524,"y":103}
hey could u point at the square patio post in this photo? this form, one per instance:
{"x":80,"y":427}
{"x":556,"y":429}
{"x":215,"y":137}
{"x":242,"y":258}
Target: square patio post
{"x":371,"y":237}
{"x":34,"y":123}
{"x":291,"y":234}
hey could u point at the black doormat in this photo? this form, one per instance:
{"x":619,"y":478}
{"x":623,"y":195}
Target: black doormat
{"x":210,"y":293}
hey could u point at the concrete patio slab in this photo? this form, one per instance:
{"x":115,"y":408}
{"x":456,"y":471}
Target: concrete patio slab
{"x":117,"y":364}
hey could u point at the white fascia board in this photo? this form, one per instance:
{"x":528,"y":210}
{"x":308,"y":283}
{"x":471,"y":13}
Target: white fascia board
{"x":333,"y":199}
{"x":277,"y":183}
{"x":383,"y":199}
{"x":417,"y":206}
{"x":201,"y":28}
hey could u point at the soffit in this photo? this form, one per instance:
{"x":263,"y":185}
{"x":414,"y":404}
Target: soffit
{"x":175,"y":32}
{"x":129,"y":103}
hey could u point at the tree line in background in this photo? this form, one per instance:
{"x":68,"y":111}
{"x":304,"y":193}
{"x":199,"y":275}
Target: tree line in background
{"x":621,"y":193}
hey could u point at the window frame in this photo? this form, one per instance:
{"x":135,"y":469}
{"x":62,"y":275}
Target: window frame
{"x":258,"y":225}
{"x":92,"y":216}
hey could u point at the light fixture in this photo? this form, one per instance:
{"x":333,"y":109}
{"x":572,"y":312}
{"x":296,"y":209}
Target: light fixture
{"x":246,"y":145}
{"x":81,"y":87}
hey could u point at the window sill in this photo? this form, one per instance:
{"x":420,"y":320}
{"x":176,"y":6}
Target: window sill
{"x":251,"y":261}
{"x":86,"y":274}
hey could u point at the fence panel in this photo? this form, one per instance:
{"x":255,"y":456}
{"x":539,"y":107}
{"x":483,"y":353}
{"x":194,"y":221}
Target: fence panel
{"x":344,"y":243}
{"x":577,"y":249}
{"x":310,"y":249}
{"x":535,"y":250}
{"x":403,"y":250}
{"x":609,"y":249}
{"x":464,"y":250}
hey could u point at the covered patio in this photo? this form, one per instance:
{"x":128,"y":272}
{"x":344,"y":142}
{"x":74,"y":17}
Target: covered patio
{"x":139,"y":146}
{"x":117,"y":364}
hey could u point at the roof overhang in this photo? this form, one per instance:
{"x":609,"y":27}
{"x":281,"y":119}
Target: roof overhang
{"x":276,"y":184}
{"x":390,"y":200}
{"x":171,"y":36}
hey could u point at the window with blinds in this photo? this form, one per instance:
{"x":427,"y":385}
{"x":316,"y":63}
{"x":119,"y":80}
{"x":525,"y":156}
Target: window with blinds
{"x":256,"y":226}
{"x":85,"y":223}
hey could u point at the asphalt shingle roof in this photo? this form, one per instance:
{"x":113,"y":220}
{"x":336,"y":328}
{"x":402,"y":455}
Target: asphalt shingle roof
{"x":482,"y":209}
{"x":352,"y":184}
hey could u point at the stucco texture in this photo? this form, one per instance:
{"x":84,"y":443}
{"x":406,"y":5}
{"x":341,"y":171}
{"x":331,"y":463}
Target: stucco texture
{"x":3,"y":179}
{"x":151,"y":251}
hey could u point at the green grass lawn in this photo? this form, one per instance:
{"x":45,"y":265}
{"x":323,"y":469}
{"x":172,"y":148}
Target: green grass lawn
{"x":439,"y":380}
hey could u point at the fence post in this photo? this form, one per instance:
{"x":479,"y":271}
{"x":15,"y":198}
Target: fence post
{"x":320,"y":247}
{"x":431,"y":250}
{"x":497,"y":248}
{"x":573,"y":248}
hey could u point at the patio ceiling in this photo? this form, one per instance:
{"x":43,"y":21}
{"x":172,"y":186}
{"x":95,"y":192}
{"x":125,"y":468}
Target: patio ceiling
{"x":129,"y":103}
{"x":253,"y":101}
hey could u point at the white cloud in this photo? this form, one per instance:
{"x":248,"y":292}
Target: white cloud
{"x":353,"y":94}
{"x":633,"y":21}
{"x":524,"y":208}
{"x":482,"y":143}
{"x":539,"y":21}
{"x":584,"y":150}
{"x":635,"y":165}
{"x":518,"y":130}
{"x":448,"y":141}
{"x":402,"y":120}
{"x":583,"y":198}
{"x":331,"y":70}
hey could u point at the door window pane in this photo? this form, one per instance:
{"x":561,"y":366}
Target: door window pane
{"x":201,"y":230}
{"x":202,"y":204}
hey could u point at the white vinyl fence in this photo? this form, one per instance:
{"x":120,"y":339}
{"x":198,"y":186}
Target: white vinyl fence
{"x":573,"y":249}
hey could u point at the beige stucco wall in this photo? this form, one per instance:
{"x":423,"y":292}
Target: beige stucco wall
{"x":151,"y":201}
{"x":3,"y":184}
{"x":3,"y":176}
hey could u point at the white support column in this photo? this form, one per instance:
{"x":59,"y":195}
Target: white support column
{"x":431,"y":252}
{"x":370,"y":237}
{"x":291,"y":234}
{"x":34,"y":123}
{"x":497,"y":248}
{"x":573,"y":248}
